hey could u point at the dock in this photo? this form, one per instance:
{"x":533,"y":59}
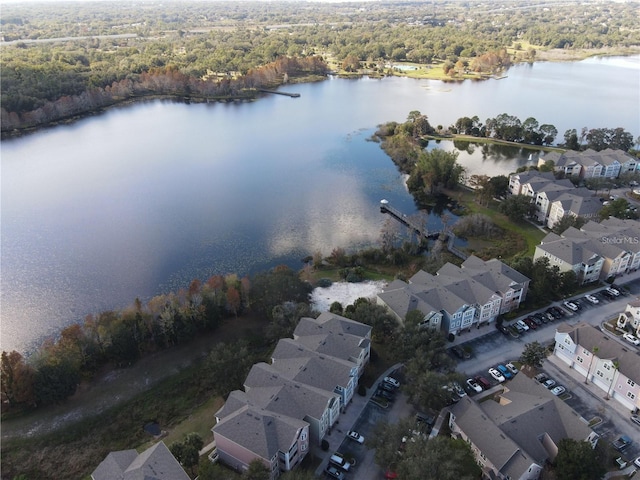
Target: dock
{"x":288,"y":94}
{"x":419,"y":229}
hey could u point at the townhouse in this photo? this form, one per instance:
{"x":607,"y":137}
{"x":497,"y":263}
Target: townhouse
{"x":289,"y":405}
{"x":457,"y":298}
{"x":596,"y":251}
{"x":156,"y":462}
{"x":603,"y":361}
{"x":630,"y":317}
{"x":554,"y":199}
{"x":515,"y":430}
{"x":607,"y":163}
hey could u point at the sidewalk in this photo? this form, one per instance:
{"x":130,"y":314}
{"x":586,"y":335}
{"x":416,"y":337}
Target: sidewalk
{"x":345,"y":422}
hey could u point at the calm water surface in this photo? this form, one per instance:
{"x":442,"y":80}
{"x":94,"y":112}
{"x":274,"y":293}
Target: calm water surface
{"x":142,"y":199}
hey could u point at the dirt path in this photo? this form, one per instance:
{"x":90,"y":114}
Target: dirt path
{"x":117,"y":386}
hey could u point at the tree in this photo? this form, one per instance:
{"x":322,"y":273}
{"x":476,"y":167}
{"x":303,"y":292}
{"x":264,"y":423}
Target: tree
{"x":16,"y":380}
{"x":533,"y":355}
{"x":55,"y":381}
{"x":285,"y":318}
{"x":228,"y":366}
{"x":576,"y":460}
{"x":566,"y":222}
{"x":500,"y":185}
{"x":571,"y":139}
{"x":516,"y":207}
{"x":435,"y":170}
{"x":440,"y":458}
{"x":276,"y":287}
{"x":482,"y":187}
{"x":594,"y":351}
{"x":618,"y":208}
{"x":257,"y":471}
{"x":187,"y":452}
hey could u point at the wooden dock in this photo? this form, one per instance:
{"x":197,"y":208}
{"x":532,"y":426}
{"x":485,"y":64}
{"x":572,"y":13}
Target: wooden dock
{"x":288,"y":94}
{"x":419,"y":229}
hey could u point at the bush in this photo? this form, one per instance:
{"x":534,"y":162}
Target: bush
{"x":324,"y":445}
{"x":324,"y":282}
{"x":451,"y":337}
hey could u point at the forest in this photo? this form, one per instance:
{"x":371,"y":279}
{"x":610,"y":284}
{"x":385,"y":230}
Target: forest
{"x":65,"y":59}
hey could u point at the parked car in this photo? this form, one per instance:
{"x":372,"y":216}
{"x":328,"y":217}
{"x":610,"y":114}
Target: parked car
{"x":592,"y":299}
{"x":531,"y":323}
{"x":504,"y":330}
{"x":622,"y":443}
{"x":519,"y":328}
{"x":635,"y":419}
{"x":496,"y":374}
{"x":612,"y":291}
{"x":473,"y":385}
{"x":333,"y":472}
{"x":458,"y":389}
{"x":559,"y":390}
{"x":355,"y":436}
{"x":460,"y":352}
{"x":386,"y":386}
{"x":541,"y":377}
{"x":483,"y":382}
{"x":636,"y":462}
{"x":542,"y":317}
{"x":549,"y":383}
{"x":504,"y":371}
{"x":560,"y":312}
{"x":631,"y":339}
{"x":571,"y":306}
{"x":384,"y":394}
{"x":392,"y":381}
{"x":339,"y":460}
{"x":512,"y":368}
{"x":522,"y":325}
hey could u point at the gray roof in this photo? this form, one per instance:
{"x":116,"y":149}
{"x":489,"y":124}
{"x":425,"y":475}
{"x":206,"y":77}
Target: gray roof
{"x":579,"y":202}
{"x":569,"y":250}
{"x":589,"y":157}
{"x":155,"y":463}
{"x":259,"y":431}
{"x":589,"y":337}
{"x":296,"y":362}
{"x":514,"y":421}
{"x":332,"y":335}
{"x":452,"y":288}
{"x":266,"y":388}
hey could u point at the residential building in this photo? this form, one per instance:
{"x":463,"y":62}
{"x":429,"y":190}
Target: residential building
{"x":603,"y":361}
{"x":529,"y":182}
{"x":280,"y":442}
{"x":155,"y":463}
{"x":292,"y":403}
{"x":607,"y":163}
{"x":457,"y":298}
{"x":333,"y":335}
{"x":568,"y":254}
{"x":579,"y":202}
{"x":596,"y":251}
{"x":631,"y":317}
{"x":513,"y":432}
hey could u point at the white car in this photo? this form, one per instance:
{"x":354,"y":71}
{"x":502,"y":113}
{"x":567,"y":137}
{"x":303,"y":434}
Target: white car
{"x":496,"y":374}
{"x":523,"y":325}
{"x":355,"y":436}
{"x":512,"y":368}
{"x":559,"y":390}
{"x":571,"y":306}
{"x":392,"y":381}
{"x":636,"y":462}
{"x":592,"y":299}
{"x":473,"y":385}
{"x":631,"y":339}
{"x":613,"y":291}
{"x":549,"y":383}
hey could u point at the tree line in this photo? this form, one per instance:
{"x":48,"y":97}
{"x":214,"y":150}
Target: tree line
{"x":119,"y":338}
{"x":157,"y":81}
{"x":206,"y":41}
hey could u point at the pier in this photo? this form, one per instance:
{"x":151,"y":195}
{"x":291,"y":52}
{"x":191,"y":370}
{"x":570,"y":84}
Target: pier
{"x":421,"y":230}
{"x":287,"y":94}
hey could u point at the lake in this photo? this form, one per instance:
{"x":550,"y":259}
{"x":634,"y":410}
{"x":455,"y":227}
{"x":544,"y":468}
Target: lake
{"x":142,"y":199}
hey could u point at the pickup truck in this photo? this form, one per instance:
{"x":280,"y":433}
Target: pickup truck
{"x":622,"y":443}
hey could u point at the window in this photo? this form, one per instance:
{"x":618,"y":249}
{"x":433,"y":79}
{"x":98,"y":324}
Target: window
{"x":631,"y":396}
{"x":607,"y":366}
{"x":600,"y":374}
{"x":580,"y":359}
{"x":631,"y":383}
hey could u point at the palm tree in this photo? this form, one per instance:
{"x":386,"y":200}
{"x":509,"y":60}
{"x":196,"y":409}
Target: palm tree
{"x":616,"y":365}
{"x":594,"y":350}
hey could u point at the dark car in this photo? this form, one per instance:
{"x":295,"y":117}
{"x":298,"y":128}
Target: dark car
{"x":460,"y":352}
{"x":483,"y":382}
{"x":542,"y":317}
{"x":560,"y":312}
{"x":385,"y":394}
{"x":531,"y":323}
{"x":504,"y":330}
